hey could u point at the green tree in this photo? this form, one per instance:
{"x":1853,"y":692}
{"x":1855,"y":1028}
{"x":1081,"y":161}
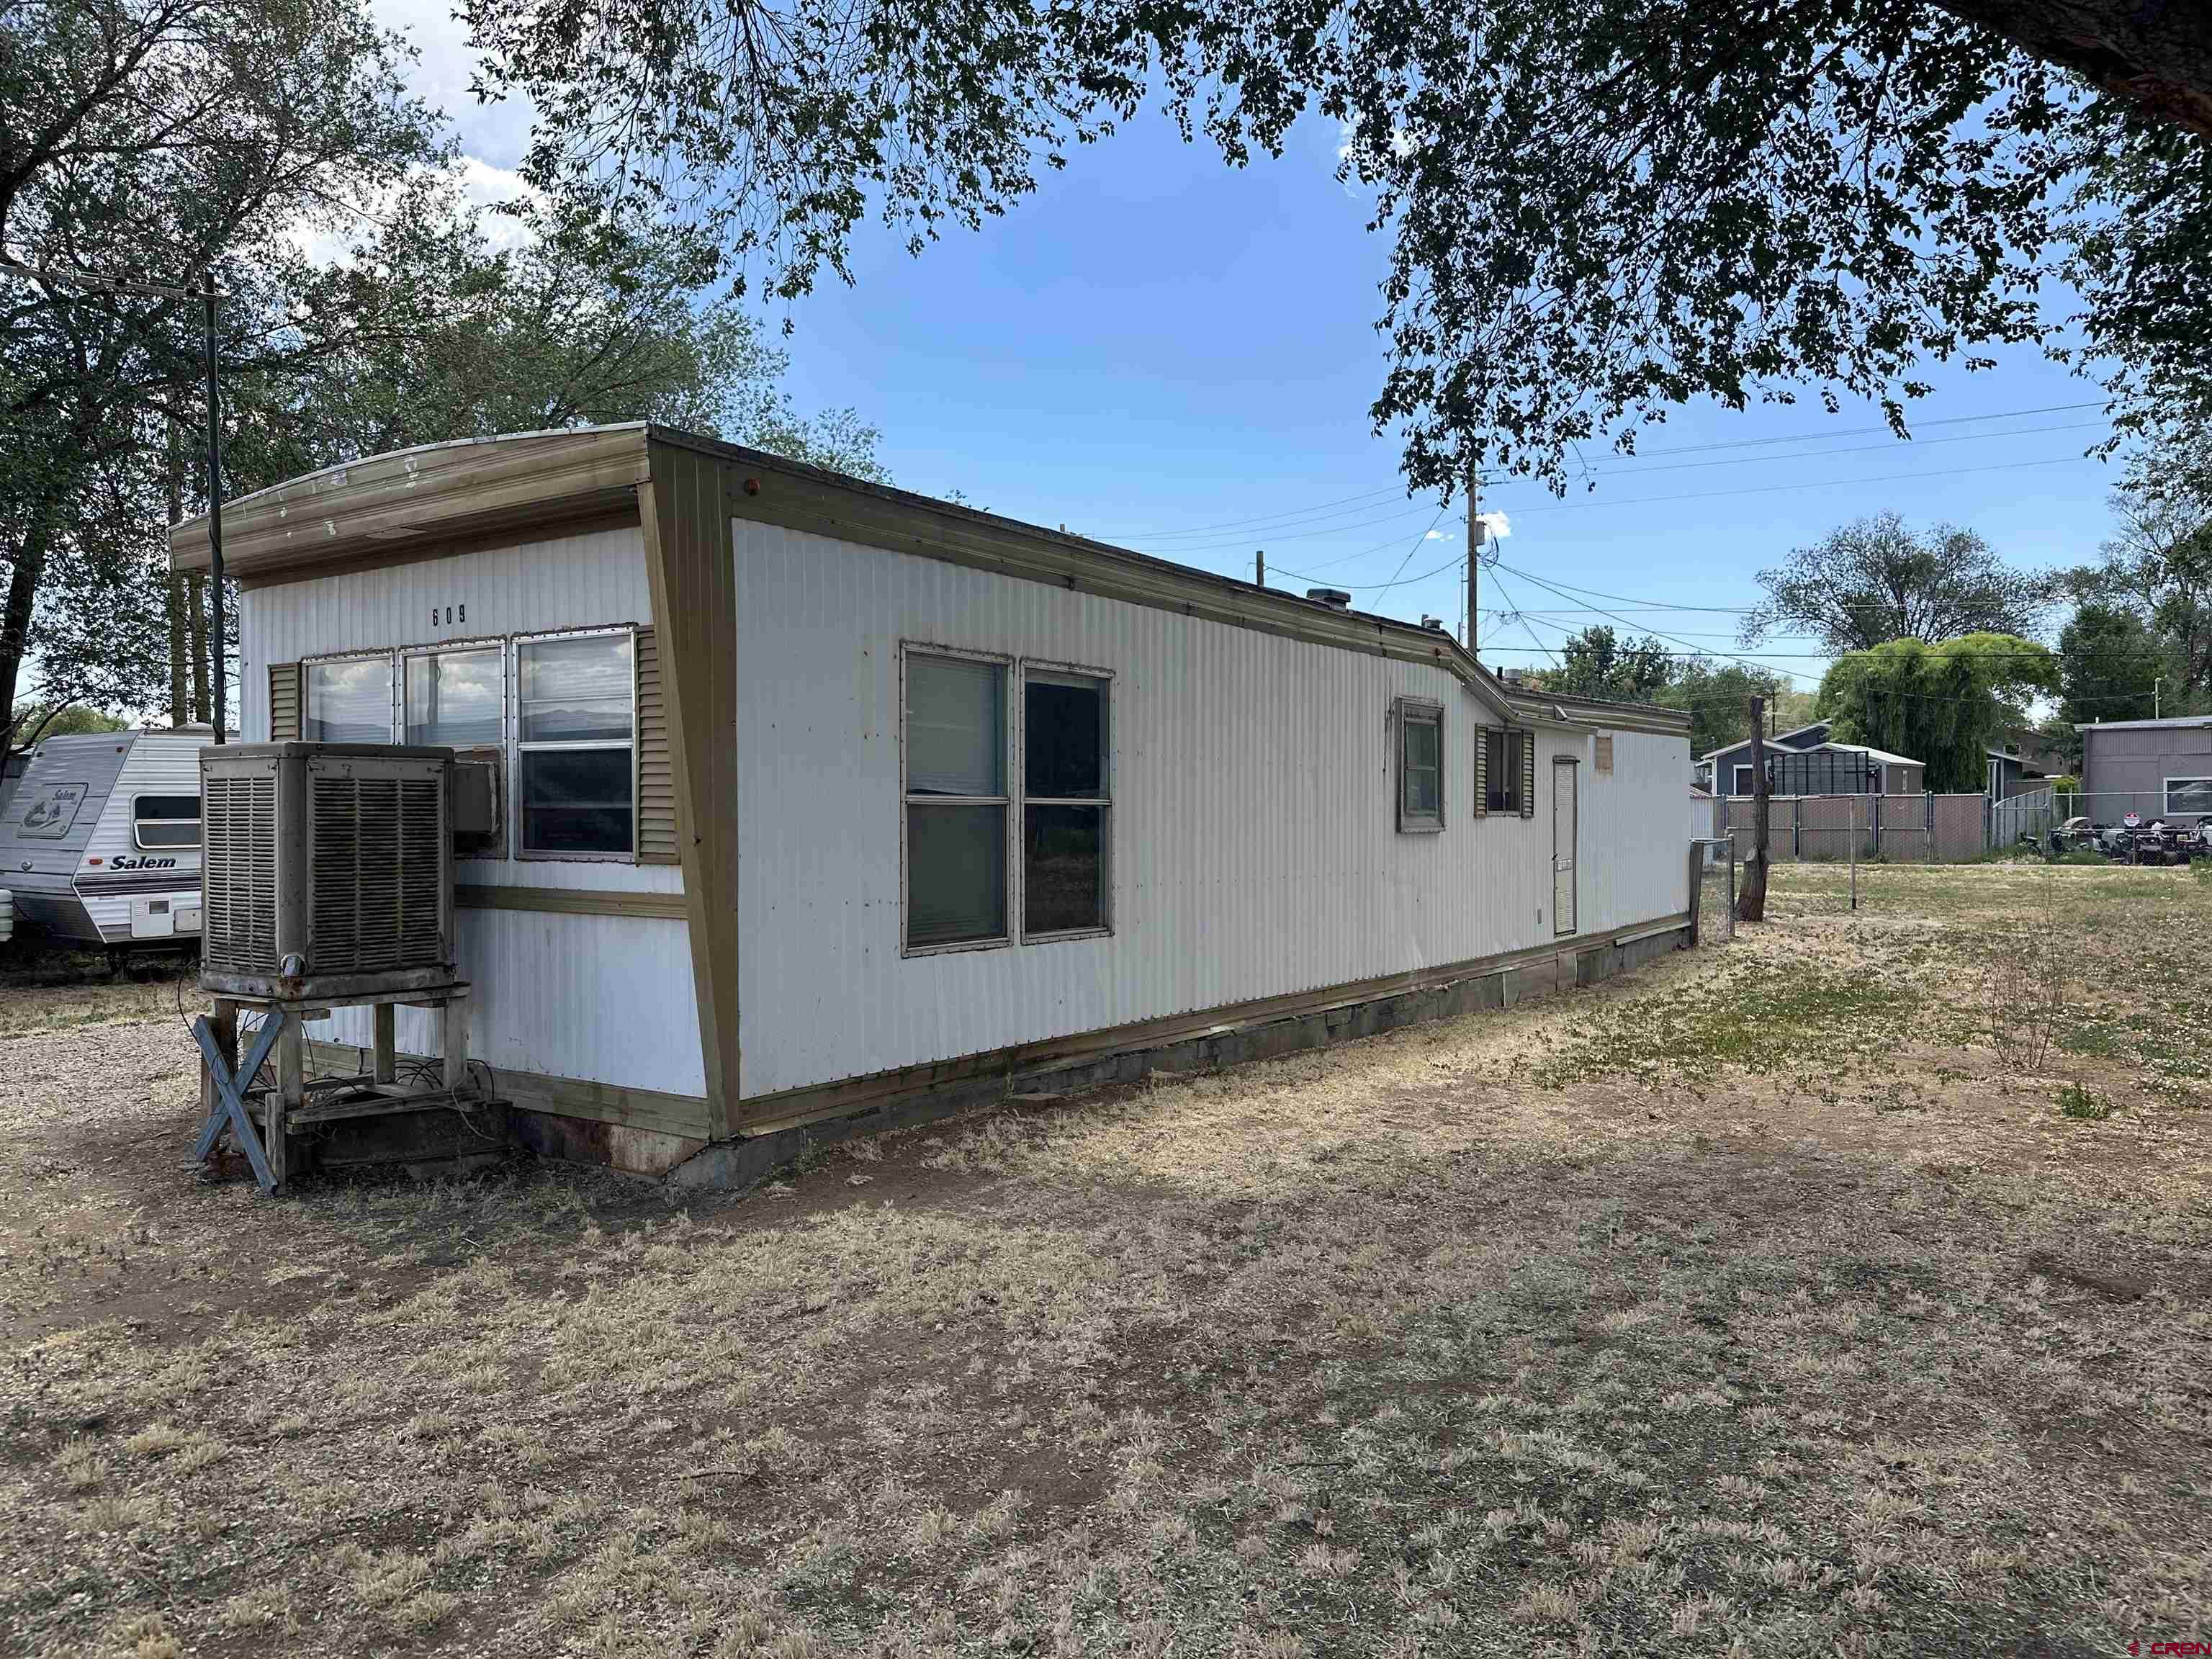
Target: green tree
{"x":1874,"y":579}
{"x":1597,"y":663}
{"x":1598,"y":209}
{"x":2160,"y":564}
{"x":1716,"y":696}
{"x":2108,"y":661}
{"x":156,"y":138}
{"x":1944,"y":705}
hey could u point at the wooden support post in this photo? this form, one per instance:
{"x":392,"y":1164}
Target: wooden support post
{"x":290,"y":1095}
{"x":385,"y":1067}
{"x":455,"y":1040}
{"x":1751,"y":903}
{"x":224,"y":1022}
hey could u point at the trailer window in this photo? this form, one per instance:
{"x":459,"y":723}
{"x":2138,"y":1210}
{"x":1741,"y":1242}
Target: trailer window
{"x":1420,"y":766}
{"x":165,"y":820}
{"x":1501,"y":769}
{"x":457,"y":698}
{"x":348,"y":701}
{"x":2188,"y":795}
{"x":575,"y":756}
{"x":955,"y":800}
{"x":1067,"y":802}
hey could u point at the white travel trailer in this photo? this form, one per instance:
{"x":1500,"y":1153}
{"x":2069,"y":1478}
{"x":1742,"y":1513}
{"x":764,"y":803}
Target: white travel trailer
{"x":815,"y":797}
{"x":99,"y":837}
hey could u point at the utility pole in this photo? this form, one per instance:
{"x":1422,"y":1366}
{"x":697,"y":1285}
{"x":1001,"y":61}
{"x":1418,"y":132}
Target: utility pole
{"x":216,"y":646}
{"x":1473,"y":546}
{"x":1751,"y":903}
{"x":1259,"y":566}
{"x":2155,"y":703}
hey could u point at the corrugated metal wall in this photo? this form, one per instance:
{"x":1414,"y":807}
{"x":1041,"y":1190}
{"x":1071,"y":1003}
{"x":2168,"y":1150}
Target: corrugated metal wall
{"x":602,"y":999}
{"x":1254,"y":851}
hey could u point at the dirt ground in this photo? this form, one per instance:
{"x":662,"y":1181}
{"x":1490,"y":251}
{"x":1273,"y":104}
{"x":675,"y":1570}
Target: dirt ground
{"x":1779,"y":1299}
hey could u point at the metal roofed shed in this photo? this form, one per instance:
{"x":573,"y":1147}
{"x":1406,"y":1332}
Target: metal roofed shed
{"x":814,"y":797}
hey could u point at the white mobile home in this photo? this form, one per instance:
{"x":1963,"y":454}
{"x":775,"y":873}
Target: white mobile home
{"x":99,"y":837}
{"x":818,"y":795}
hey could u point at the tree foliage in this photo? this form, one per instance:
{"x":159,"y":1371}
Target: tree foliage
{"x":156,"y":137}
{"x":2159,"y":565}
{"x":1874,"y":579}
{"x":1598,"y":663}
{"x":1598,"y":209}
{"x":2108,"y":663}
{"x":1946,"y":705}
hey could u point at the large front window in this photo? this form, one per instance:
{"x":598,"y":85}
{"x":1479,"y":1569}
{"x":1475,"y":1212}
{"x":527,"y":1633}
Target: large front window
{"x":575,"y":756}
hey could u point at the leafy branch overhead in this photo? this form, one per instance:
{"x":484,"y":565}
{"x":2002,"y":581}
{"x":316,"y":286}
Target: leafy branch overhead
{"x":1598,"y":209}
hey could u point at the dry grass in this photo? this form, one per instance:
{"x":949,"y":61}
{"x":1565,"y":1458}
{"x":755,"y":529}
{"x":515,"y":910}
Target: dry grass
{"x":1752,"y":1304}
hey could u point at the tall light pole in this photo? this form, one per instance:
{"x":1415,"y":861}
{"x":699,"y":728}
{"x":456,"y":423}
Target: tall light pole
{"x":208,"y":294}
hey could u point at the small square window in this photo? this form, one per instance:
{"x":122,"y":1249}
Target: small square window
{"x":1420,"y":767}
{"x":348,"y":701}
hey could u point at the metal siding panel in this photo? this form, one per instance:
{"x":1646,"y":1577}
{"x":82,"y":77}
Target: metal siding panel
{"x":1254,"y":849}
{"x":600,"y":998}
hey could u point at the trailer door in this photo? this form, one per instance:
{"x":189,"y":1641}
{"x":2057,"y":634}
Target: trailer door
{"x":1565,"y":825}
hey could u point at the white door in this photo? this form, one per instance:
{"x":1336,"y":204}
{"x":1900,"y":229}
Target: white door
{"x":1563,"y":827}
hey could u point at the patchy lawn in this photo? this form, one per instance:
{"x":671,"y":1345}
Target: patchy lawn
{"x":1765,"y":1302}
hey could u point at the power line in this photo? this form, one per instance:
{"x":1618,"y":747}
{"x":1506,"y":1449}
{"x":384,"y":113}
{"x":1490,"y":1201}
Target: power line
{"x":1631,"y":463}
{"x":1529,"y":626}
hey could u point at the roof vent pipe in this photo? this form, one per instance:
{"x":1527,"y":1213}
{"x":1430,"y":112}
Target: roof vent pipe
{"x":1435,"y":624}
{"x":1334,"y":597}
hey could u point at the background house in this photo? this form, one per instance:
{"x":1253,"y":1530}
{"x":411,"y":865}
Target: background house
{"x":1720,"y":769}
{"x":2161,"y":769}
{"x":1806,"y":762}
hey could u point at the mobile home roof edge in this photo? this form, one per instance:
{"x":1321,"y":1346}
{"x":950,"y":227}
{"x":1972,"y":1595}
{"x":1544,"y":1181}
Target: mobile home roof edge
{"x":385,"y":505}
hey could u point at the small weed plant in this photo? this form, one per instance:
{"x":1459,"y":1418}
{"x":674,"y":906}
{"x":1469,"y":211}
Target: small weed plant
{"x":2024,"y":999}
{"x":2077,"y":1102}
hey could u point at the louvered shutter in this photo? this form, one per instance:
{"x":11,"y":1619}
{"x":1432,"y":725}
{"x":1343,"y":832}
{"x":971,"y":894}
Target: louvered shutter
{"x":1529,"y":775}
{"x":283,"y":703}
{"x":656,"y":778}
{"x":1482,"y":771}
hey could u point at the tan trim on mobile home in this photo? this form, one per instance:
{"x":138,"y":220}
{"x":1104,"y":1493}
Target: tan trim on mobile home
{"x":692,"y":565}
{"x":571,"y":901}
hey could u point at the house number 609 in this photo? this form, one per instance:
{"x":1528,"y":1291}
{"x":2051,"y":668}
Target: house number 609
{"x":453,"y":613}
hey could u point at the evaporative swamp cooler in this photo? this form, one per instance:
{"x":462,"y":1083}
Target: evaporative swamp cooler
{"x":328,"y":870}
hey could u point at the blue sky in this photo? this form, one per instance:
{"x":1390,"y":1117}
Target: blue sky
{"x":1155,"y":345}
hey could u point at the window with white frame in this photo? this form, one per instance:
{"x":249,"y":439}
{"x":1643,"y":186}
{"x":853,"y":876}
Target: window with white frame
{"x":1067,"y":802}
{"x":576,"y":752}
{"x":1420,"y":766}
{"x":956,"y":802}
{"x":2188,"y":795}
{"x":348,"y":700}
{"x":1742,"y":785}
{"x":158,"y":821}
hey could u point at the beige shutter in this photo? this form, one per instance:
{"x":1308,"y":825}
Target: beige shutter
{"x":1605,"y":752}
{"x":1482,"y":771}
{"x":1529,"y":775}
{"x":656,"y":778}
{"x":283,"y":703}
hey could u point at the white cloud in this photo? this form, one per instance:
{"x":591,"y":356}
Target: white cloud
{"x":1495,"y":527}
{"x":497,"y":133}
{"x":1434,"y":535}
